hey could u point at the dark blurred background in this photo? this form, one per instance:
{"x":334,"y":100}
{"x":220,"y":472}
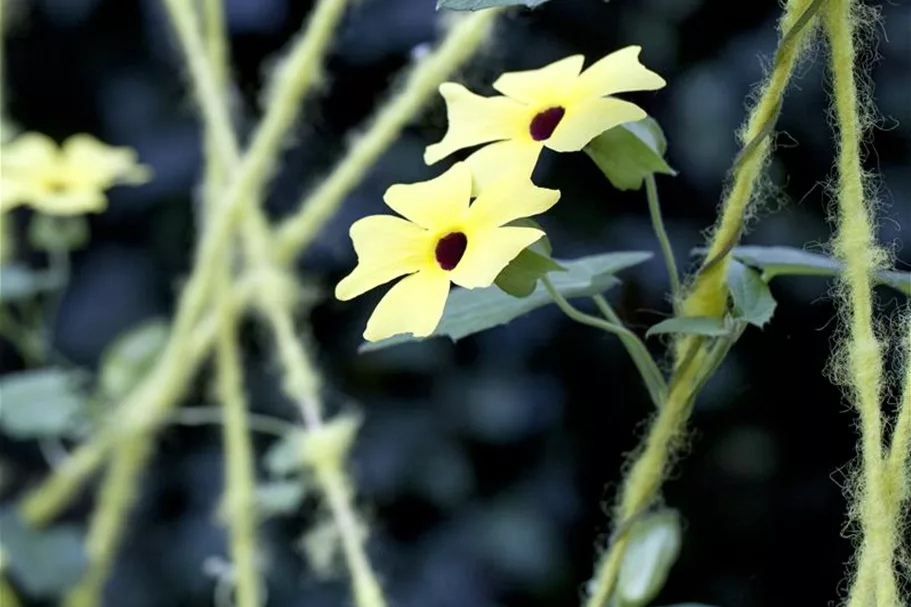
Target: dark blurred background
{"x":485,"y":467}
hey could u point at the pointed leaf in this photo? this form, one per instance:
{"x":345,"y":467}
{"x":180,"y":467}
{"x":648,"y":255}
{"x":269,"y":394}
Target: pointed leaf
{"x":753,"y":301}
{"x":470,"y":311}
{"x":520,"y":277}
{"x":691,"y":325}
{"x":789,"y":261}
{"x":542,"y":246}
{"x":629,"y":153}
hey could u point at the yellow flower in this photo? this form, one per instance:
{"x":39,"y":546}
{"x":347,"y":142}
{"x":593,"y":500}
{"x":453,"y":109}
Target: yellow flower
{"x":441,"y":240}
{"x":557,"y":106}
{"x":66,"y":179}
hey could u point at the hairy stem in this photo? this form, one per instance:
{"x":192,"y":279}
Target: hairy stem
{"x":116,"y":497}
{"x":875,"y":584}
{"x":707,"y":297}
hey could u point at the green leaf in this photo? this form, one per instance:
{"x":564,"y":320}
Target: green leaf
{"x":130,"y":356}
{"x":691,"y":325}
{"x":470,"y":311}
{"x":689,"y":605}
{"x":284,"y":456}
{"x":46,"y":562}
{"x":654,"y":544}
{"x":280,"y":497}
{"x":20,"y":282}
{"x":43,"y":402}
{"x":476,"y":5}
{"x":790,"y":261}
{"x":753,"y":301}
{"x":542,"y":246}
{"x":629,"y":153}
{"x":520,"y":277}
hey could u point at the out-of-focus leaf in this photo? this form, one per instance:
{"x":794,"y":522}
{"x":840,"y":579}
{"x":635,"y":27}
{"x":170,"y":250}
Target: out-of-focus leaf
{"x":692,"y":325}
{"x":130,"y":356}
{"x":46,"y":562}
{"x":630,"y":152}
{"x":654,"y":544}
{"x":284,"y":456}
{"x":43,"y":402}
{"x":470,"y":311}
{"x":322,"y":545}
{"x":281,"y":497}
{"x":20,"y":282}
{"x":753,"y":301}
{"x":476,"y":5}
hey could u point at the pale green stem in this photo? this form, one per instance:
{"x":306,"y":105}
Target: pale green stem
{"x":654,"y":209}
{"x":460,"y":44}
{"x":298,"y":73}
{"x":117,"y":494}
{"x":643,"y":360}
{"x":240,"y":486}
{"x":302,"y":385}
{"x":146,"y":406}
{"x":216,"y":44}
{"x":636,"y":349}
{"x":204,"y":416}
{"x":301,"y":379}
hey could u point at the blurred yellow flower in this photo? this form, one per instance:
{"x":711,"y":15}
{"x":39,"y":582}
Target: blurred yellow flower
{"x":442,"y":239}
{"x":67,"y":179}
{"x":557,"y":106}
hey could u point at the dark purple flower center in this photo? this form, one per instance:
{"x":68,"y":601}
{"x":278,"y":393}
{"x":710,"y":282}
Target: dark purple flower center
{"x":450,"y":249}
{"x":544,"y":123}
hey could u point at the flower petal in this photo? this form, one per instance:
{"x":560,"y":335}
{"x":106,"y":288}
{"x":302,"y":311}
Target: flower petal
{"x":90,"y":163}
{"x":13,"y":193}
{"x":70,"y":202}
{"x":489,"y":252}
{"x":27,"y":160}
{"x":543,"y":86}
{"x":474,"y":119}
{"x":387,"y":247}
{"x":414,"y":305}
{"x":585,"y":120}
{"x":502,"y":158}
{"x":435,"y":203}
{"x":618,"y":72}
{"x":509,"y":198}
